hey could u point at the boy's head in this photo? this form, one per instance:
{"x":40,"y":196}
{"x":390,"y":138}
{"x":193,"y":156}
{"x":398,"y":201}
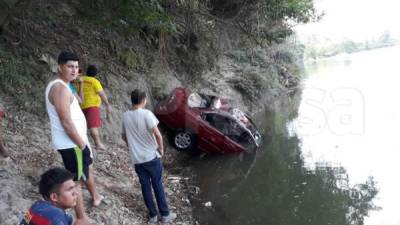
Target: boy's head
{"x":64,"y":57}
{"x":68,"y":65}
{"x":91,"y":71}
{"x":137,"y":96}
{"x":57,"y":186}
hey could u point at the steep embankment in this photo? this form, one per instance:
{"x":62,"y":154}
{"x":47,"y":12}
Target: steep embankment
{"x":28,"y":142}
{"x":32,"y":35}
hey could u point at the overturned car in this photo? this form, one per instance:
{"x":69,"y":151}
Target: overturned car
{"x":207,"y":123}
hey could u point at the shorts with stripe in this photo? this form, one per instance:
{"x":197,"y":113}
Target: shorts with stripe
{"x":77,"y":161}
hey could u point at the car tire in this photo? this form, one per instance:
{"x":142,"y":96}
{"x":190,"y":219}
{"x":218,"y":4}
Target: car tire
{"x":184,"y":140}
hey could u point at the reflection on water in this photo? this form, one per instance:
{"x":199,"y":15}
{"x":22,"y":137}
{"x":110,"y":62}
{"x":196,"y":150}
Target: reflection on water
{"x":326,"y":152}
{"x":274,"y":187}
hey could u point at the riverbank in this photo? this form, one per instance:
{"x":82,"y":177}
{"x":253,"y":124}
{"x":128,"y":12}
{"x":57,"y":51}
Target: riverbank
{"x":346,"y":56}
{"x":209,"y":59}
{"x":28,"y":142}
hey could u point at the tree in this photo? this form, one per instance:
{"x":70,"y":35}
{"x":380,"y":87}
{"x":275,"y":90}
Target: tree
{"x":349,"y":46}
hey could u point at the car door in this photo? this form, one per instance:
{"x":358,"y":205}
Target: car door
{"x":210,"y":136}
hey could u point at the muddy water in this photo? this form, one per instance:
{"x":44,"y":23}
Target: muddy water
{"x":330,"y":153}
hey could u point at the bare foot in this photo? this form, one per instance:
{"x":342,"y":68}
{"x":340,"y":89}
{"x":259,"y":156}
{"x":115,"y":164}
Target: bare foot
{"x":86,"y":222}
{"x":98,"y":200}
{"x":101,"y":147}
{"x":83,"y":221}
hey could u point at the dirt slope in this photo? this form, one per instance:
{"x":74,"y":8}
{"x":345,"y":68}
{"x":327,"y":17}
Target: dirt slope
{"x":29,"y":145}
{"x":32,"y":35}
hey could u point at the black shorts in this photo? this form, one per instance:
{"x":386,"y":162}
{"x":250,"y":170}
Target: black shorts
{"x":77,"y":161}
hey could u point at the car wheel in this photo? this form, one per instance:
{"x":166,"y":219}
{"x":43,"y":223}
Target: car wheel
{"x":183,"y":140}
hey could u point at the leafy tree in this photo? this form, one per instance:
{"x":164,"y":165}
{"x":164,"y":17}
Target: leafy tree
{"x":265,"y":21}
{"x":349,"y":46}
{"x":260,"y":20}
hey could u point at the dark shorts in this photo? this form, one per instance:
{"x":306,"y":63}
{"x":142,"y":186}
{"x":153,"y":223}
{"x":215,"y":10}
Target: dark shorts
{"x":77,"y":161}
{"x":93,"y":118}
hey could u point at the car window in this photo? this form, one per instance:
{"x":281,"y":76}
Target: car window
{"x":218,"y":122}
{"x":230,"y":128}
{"x":239,"y":134}
{"x":245,"y":139}
{"x":196,"y":101}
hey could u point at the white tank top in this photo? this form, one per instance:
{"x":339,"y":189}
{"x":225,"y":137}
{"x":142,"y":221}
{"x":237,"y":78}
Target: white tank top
{"x":59,"y":137}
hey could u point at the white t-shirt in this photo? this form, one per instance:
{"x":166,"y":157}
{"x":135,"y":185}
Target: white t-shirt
{"x":59,"y":137}
{"x":137,"y":125}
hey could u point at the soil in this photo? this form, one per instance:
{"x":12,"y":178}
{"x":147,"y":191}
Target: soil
{"x":28,"y":143}
{"x":34,"y":32}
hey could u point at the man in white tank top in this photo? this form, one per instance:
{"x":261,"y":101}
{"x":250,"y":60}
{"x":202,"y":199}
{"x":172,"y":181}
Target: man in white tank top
{"x":69,"y":131}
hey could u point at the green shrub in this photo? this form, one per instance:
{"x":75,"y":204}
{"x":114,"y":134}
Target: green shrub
{"x":133,"y":14}
{"x":265,"y":21}
{"x":132,"y":59}
{"x":250,"y":84}
{"x":16,"y":81}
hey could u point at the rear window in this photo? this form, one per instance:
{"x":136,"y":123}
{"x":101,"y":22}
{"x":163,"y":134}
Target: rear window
{"x":196,"y":101}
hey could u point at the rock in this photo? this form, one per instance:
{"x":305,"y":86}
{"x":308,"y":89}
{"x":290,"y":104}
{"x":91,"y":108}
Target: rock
{"x":168,"y":191}
{"x":46,"y":58}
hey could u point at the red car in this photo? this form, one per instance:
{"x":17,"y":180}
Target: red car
{"x":207,"y":123}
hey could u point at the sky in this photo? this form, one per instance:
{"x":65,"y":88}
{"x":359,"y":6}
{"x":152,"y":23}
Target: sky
{"x":354,"y":19}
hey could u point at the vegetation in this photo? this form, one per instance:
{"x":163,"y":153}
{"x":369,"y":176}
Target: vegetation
{"x":135,"y":14}
{"x":267,"y":71}
{"x":192,"y":34}
{"x":188,"y":36}
{"x":316,"y":48}
{"x":191,"y":29}
{"x":16,"y":79}
{"x":262,"y":21}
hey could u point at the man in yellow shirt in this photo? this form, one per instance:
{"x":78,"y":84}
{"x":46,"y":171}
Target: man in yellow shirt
{"x":93,"y":95}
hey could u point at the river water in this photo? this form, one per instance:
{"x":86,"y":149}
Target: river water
{"x":330,"y":153}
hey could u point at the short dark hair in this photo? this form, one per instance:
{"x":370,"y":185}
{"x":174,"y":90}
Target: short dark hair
{"x":91,"y":71}
{"x":64,"y":57}
{"x":51,"y":181}
{"x":137,"y":96}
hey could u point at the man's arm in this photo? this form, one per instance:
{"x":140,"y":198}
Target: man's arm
{"x":80,"y":89}
{"x":60,"y":97}
{"x":159,"y":140}
{"x":104,"y":98}
{"x":78,"y":98}
{"x":123,"y":136}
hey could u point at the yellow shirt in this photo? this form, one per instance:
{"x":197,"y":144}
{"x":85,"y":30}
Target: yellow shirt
{"x":91,"y":88}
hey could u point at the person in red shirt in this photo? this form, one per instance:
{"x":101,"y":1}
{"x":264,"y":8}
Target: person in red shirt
{"x":3,"y":150}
